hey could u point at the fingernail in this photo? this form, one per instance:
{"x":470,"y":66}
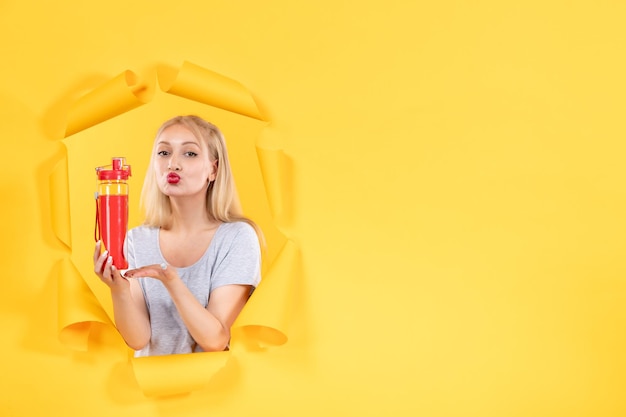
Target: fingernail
{"x":110,"y":259}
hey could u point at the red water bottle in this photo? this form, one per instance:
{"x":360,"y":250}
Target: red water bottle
{"x":112,"y":209}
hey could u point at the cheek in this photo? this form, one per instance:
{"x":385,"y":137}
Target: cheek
{"x":158,"y":167}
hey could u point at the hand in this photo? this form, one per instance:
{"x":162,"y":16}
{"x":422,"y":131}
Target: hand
{"x":157,"y":271}
{"x":107,"y":272}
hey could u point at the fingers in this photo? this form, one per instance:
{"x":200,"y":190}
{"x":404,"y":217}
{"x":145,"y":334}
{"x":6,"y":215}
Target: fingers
{"x":116,"y":274}
{"x":102,"y":268}
{"x":108,"y":265}
{"x":96,"y":252}
{"x":106,"y":271}
{"x":144,"y":271}
{"x":100,"y":262}
{"x":158,"y":271}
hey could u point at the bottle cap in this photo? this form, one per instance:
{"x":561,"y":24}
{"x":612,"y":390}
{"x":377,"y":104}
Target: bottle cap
{"x":116,"y":171}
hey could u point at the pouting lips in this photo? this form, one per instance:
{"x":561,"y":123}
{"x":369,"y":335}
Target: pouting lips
{"x":173,"y":178}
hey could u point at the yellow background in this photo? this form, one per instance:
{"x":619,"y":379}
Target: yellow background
{"x":457,"y":199}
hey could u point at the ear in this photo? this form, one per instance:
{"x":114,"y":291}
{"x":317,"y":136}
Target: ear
{"x":213,"y":173}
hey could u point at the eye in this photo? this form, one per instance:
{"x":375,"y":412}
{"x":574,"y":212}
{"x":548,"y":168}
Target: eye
{"x":163,"y":153}
{"x":191,"y":154}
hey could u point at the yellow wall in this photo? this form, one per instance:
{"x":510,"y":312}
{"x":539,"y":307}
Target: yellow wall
{"x":457,"y":199}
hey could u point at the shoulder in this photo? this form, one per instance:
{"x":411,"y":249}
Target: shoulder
{"x":142,"y":232}
{"x":237,"y":233}
{"x":237,"y":228}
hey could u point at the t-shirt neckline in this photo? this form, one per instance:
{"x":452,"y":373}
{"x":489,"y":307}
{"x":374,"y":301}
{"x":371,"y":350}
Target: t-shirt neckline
{"x":204,"y":255}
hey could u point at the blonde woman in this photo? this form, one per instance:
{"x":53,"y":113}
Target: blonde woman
{"x":195,"y":260}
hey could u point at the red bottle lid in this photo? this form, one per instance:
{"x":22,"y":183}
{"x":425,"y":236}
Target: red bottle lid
{"x":117,"y":171}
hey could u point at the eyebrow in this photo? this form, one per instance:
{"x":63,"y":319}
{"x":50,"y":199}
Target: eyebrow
{"x":164,"y":142}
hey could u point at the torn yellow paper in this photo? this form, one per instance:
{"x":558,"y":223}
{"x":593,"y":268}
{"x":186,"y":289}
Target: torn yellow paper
{"x":208,"y":87}
{"x":59,"y":202}
{"x":78,"y":309}
{"x":278,"y":177}
{"x":121,"y":94}
{"x":95,"y":134}
{"x":265,"y":320}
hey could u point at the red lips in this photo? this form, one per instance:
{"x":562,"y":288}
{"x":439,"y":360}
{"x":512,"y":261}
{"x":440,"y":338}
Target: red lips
{"x":173,"y":178}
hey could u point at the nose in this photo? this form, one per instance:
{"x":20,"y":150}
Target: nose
{"x":173,"y":165}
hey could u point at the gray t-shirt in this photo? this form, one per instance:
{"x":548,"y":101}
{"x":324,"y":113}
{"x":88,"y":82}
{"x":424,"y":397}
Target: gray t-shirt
{"x":233,"y":257}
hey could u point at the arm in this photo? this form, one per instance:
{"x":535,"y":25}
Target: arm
{"x":129,"y":307}
{"x":236,"y":271}
{"x":210,"y":326}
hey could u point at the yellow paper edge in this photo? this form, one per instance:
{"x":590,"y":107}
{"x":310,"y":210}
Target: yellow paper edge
{"x":117,"y":96}
{"x":205,"y":86}
{"x":79,"y":308}
{"x":265,"y":320}
{"x":60,"y":202}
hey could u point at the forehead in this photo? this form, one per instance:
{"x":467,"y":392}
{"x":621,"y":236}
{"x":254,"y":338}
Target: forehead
{"x":177,"y":134}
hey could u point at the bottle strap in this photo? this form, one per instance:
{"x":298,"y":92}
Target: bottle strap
{"x":96,"y":230}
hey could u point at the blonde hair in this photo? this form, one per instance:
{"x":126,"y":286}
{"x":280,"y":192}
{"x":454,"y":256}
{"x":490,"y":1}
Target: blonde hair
{"x":221,"y":197}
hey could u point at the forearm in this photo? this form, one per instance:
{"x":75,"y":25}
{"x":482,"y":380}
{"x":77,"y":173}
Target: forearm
{"x":203,"y":326}
{"x":131,"y":321}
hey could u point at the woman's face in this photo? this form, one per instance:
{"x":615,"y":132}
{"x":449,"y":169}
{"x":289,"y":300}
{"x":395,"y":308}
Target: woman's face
{"x":182,"y":163}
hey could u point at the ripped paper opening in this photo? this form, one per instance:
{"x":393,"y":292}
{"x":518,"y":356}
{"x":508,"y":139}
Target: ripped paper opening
{"x":98,"y":123}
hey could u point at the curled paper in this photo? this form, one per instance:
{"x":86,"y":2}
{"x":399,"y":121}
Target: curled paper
{"x":277,"y":176}
{"x":78,"y":308}
{"x":208,"y":87}
{"x":59,"y":202}
{"x":121,"y":94}
{"x":264,"y":320}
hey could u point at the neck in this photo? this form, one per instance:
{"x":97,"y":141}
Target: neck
{"x":189,"y":215}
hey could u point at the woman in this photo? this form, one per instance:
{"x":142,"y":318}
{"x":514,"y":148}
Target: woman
{"x":196,"y":260}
